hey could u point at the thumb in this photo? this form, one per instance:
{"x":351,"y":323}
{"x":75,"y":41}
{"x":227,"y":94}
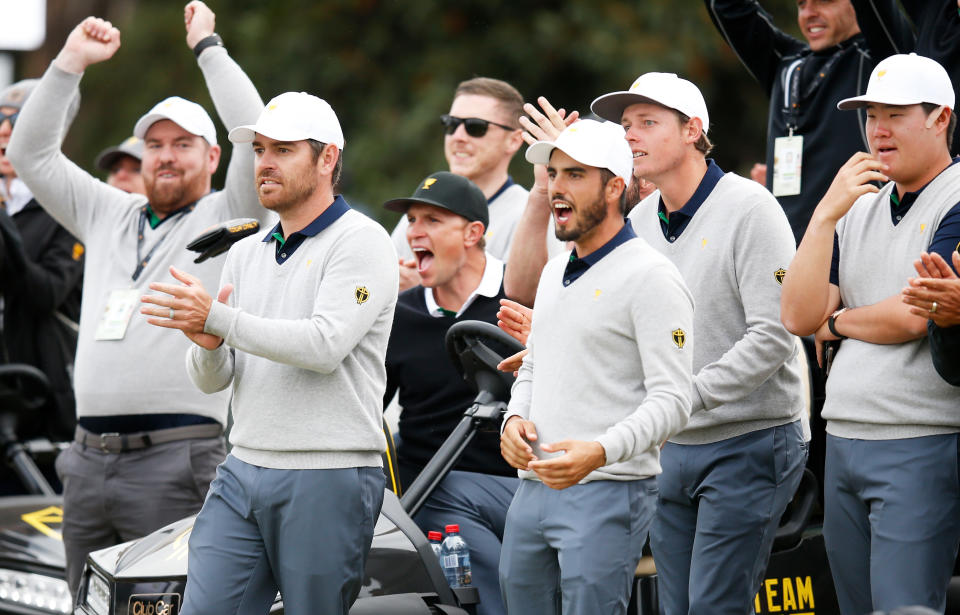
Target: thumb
{"x":224,"y":293}
{"x":529,"y":430}
{"x":553,"y":447}
{"x":956,"y":255}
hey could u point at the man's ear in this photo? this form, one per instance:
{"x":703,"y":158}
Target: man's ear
{"x":692,"y":130}
{"x":327,"y":160}
{"x":473,"y":233}
{"x":514,"y":141}
{"x":213,"y":158}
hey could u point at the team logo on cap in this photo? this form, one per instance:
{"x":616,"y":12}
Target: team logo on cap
{"x":361,"y":294}
{"x":881,"y":73}
{"x":16,"y":96}
{"x":679,"y":337}
{"x":779,"y":274}
{"x":429,"y":182}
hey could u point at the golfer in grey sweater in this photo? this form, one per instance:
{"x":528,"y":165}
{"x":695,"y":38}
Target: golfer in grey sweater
{"x":891,"y":497}
{"x":728,"y":476}
{"x":299,"y":333}
{"x":605,"y":382}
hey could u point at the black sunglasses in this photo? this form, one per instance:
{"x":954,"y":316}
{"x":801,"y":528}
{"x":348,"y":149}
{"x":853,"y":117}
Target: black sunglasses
{"x":474,"y":126}
{"x":12,"y":117}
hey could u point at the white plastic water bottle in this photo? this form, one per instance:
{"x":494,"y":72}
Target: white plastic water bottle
{"x":455,"y":558}
{"x":434,"y":539}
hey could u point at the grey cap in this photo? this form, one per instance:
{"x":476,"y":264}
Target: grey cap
{"x":16,"y":95}
{"x":131,"y":146}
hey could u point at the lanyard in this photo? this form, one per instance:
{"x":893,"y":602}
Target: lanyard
{"x":792,"y":94}
{"x":142,"y":262}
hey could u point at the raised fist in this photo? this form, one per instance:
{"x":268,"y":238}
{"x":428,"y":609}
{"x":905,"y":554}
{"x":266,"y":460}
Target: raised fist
{"x":93,"y":40}
{"x":200,"y":22}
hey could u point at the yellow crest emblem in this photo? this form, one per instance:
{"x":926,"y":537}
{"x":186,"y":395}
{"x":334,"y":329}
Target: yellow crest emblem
{"x":429,"y":182}
{"x":679,"y":337}
{"x":77,"y":251}
{"x":779,"y":274}
{"x":881,"y":73}
{"x":361,"y":294}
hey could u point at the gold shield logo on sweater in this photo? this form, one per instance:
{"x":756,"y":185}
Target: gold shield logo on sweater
{"x":679,"y":337}
{"x":362,"y":294}
{"x":779,"y":274}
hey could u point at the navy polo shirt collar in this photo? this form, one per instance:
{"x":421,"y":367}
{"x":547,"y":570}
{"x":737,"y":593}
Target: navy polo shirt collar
{"x":674,"y":224}
{"x":286,"y":247}
{"x":502,"y":189}
{"x":576,"y":267}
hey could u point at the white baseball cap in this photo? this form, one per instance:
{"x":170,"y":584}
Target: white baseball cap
{"x":187,"y":115}
{"x":664,"y":89}
{"x":294,"y":116}
{"x":596,"y":144}
{"x":905,"y":79}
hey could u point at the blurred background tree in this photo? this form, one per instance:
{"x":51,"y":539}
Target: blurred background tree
{"x":389,"y":69}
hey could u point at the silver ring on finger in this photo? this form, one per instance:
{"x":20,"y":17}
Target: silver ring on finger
{"x":172,"y":314}
{"x":933,"y":308}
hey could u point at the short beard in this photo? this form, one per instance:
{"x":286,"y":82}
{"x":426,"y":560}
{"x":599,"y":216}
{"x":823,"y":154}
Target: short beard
{"x":170,"y":197}
{"x":296,"y":189}
{"x":588,"y":218}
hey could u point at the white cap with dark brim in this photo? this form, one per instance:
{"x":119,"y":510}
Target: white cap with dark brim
{"x":589,"y":142}
{"x":186,"y":114}
{"x":294,"y":116}
{"x":905,"y":79}
{"x":664,"y":89}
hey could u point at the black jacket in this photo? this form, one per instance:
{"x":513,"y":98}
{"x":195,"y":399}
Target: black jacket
{"x":830,"y":136}
{"x":41,"y":269}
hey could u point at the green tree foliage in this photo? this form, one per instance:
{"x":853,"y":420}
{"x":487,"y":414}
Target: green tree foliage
{"x":389,"y":69}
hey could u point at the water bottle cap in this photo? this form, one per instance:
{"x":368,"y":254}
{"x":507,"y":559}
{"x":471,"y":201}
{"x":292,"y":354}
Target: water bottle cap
{"x":434,"y":536}
{"x":453,"y":529}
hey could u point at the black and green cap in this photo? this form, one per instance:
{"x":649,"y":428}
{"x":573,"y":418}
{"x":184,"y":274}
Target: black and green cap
{"x":448,"y":191}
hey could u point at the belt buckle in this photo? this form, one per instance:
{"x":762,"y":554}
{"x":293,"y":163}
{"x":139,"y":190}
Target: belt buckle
{"x":103,"y":440}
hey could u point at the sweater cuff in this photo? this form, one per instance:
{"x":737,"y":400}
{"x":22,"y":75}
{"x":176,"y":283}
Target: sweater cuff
{"x":220,"y":319}
{"x":64,"y":76}
{"x":509,"y":415}
{"x":612,"y":447}
{"x":210,"y":54}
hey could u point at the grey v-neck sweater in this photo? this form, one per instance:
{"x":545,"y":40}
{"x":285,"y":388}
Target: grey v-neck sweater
{"x":733,"y":255}
{"x":887,"y":391}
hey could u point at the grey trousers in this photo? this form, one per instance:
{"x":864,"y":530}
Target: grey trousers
{"x":478,"y":503}
{"x":891,"y":521}
{"x":304,"y":532}
{"x":718,"y":512}
{"x":109,"y":498}
{"x":574,"y":551}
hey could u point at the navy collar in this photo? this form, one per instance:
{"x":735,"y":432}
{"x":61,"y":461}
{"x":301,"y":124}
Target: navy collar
{"x":707,"y":184}
{"x":900,"y":205}
{"x":576,"y":267}
{"x":624,"y":235}
{"x":330,"y":215}
{"x":502,"y":189}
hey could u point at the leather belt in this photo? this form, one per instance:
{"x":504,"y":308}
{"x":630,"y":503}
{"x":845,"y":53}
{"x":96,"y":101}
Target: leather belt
{"x":121,"y":443}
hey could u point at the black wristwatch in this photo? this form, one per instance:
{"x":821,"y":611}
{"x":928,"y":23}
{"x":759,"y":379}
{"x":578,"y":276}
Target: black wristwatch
{"x":832,"y":323}
{"x":213,"y":40}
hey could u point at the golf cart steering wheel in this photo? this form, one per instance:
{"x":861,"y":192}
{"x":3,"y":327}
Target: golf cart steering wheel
{"x":476,"y":347}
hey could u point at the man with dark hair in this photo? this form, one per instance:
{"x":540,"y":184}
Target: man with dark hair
{"x":40,"y":280}
{"x":295,"y":503}
{"x":807,"y":138}
{"x":147,"y":442}
{"x":446,"y":224}
{"x":892,"y":424}
{"x":584,"y":432}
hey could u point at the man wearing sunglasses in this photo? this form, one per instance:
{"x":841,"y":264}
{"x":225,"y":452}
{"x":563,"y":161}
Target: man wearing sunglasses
{"x":40,"y":277}
{"x":481,"y":135}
